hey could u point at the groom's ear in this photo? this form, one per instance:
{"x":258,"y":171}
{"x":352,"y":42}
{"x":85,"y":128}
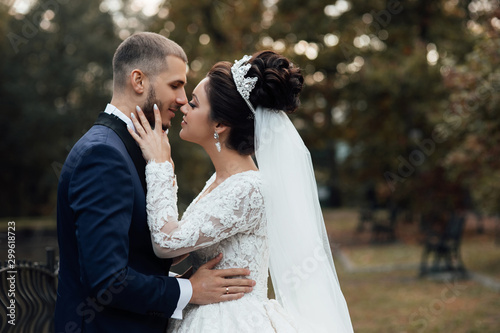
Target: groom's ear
{"x":137,"y":81}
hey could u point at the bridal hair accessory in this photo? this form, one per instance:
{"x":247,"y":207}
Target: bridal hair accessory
{"x":244,"y":85}
{"x":217,"y":144}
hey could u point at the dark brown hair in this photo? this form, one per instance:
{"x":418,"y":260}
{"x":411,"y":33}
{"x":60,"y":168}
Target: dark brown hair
{"x":145,"y":51}
{"x":278,"y":87}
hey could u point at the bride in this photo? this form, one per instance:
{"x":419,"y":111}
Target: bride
{"x":260,"y":218}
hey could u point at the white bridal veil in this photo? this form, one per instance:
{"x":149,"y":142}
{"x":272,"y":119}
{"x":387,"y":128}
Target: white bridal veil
{"x":301,"y":264}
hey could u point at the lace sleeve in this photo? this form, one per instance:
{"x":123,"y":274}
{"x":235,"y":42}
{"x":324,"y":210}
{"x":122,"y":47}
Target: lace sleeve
{"x":238,"y":207}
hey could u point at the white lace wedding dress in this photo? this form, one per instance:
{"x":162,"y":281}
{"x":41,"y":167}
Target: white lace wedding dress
{"x":230,"y":220}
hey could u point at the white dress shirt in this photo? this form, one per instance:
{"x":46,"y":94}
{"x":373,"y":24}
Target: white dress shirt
{"x":184,"y":284}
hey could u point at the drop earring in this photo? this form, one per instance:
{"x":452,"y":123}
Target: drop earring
{"x":217,"y":144}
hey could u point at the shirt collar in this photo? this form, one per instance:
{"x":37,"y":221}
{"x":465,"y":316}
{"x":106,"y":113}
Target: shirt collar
{"x":111,"y":109}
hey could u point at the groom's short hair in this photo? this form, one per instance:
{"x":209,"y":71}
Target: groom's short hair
{"x":146,"y":51}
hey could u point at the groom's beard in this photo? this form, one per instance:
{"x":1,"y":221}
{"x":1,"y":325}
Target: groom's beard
{"x":148,"y":106}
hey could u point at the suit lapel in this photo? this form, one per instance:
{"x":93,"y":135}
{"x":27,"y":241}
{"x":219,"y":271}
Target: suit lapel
{"x":120,"y":128}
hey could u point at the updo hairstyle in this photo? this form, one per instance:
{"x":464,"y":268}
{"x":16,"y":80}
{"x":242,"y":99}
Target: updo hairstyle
{"x":278,"y":87}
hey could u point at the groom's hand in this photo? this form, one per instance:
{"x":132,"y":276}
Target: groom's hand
{"x":213,"y":286}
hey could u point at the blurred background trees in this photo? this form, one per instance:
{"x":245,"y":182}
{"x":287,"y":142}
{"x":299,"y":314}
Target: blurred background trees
{"x":399,"y":106}
{"x":475,"y":129}
{"x":56,"y":76}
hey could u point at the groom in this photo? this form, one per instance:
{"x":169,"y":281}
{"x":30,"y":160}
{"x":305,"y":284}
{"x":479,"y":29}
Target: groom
{"x":109,"y":278}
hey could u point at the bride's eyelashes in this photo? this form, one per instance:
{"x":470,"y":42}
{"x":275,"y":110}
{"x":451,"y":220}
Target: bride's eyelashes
{"x":192,"y":105}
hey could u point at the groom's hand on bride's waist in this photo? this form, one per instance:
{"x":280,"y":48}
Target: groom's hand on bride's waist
{"x":214,"y":285}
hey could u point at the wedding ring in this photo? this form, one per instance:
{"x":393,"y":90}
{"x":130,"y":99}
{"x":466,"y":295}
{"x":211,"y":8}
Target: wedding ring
{"x":227,"y":290}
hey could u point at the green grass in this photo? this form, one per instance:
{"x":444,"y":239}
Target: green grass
{"x":481,"y":255}
{"x":396,"y":254}
{"x":398,"y":301}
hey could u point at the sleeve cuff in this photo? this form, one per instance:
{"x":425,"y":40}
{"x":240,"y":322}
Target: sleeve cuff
{"x":186,"y":294}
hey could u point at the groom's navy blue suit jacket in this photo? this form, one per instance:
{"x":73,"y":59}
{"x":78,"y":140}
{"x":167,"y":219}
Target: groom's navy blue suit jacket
{"x":109,"y":278}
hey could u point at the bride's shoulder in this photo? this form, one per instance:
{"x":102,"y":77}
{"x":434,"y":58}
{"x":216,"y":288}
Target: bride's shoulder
{"x":250,"y":175}
{"x":245,"y":187}
{"x":250,"y":178}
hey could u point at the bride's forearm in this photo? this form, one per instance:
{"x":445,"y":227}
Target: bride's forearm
{"x":161,"y":197}
{"x":165,"y":252}
{"x":161,"y":206}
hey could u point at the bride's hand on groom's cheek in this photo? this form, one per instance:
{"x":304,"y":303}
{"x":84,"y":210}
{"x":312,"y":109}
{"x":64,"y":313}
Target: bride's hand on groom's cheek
{"x":216,"y":285}
{"x":154,"y":143}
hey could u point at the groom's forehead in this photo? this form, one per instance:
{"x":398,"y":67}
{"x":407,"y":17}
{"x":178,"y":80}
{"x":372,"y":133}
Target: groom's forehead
{"x":176,"y":70}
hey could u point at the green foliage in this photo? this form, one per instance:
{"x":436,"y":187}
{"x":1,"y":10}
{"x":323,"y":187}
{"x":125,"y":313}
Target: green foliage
{"x":56,"y":70}
{"x":379,"y":92}
{"x":384,"y":82}
{"x":474,"y":125}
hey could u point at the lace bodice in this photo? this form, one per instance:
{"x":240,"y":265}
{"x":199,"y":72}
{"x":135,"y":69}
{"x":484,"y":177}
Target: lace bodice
{"x":230,"y":220}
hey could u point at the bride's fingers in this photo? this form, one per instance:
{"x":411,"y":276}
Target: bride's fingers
{"x":138,"y":126}
{"x":144,"y":121}
{"x":134,"y":135}
{"x":157,"y":119}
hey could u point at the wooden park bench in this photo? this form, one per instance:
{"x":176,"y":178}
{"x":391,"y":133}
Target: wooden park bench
{"x":384,"y":230}
{"x":445,"y":247}
{"x":365,"y":219}
{"x":34,"y":286}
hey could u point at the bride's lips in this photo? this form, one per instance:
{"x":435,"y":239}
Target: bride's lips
{"x":183,"y":121}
